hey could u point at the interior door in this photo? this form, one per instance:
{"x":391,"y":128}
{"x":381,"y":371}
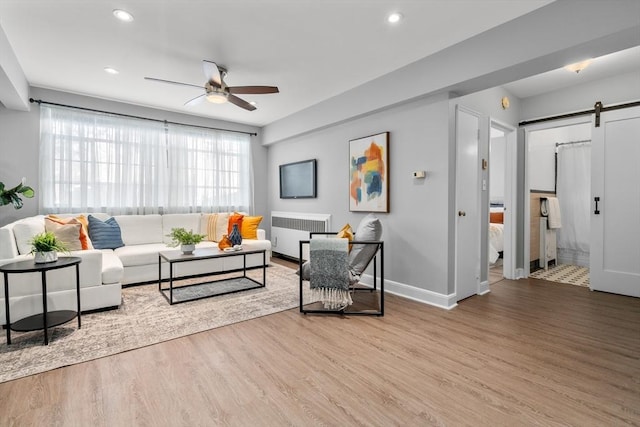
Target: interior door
{"x":467,"y":262}
{"x":615,"y":213}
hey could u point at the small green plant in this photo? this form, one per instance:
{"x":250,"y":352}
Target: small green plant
{"x":180,"y":236}
{"x":12,"y":195}
{"x":47,"y":242}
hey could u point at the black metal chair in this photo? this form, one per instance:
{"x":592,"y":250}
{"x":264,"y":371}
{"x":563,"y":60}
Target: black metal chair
{"x":372,"y":306}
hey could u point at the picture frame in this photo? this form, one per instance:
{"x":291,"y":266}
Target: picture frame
{"x":369,"y":173}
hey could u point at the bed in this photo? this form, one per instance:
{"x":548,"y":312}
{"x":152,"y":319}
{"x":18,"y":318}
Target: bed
{"x":496,"y":233}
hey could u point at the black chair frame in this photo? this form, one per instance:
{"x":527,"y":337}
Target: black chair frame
{"x":378,"y":258}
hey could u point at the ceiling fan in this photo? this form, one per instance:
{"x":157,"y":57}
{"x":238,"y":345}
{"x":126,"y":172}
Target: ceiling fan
{"x":217,"y":91}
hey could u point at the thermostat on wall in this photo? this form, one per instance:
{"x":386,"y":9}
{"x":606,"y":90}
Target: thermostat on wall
{"x":419,"y":174}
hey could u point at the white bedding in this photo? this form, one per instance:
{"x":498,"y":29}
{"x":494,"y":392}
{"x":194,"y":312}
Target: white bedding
{"x":496,"y":241}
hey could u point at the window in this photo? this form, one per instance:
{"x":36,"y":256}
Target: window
{"x":119,"y":165}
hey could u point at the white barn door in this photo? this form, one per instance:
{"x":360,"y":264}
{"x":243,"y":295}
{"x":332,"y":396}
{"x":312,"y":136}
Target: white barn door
{"x":615,"y":203}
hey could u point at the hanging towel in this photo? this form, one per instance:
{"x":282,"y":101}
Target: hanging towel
{"x":554,"y":213}
{"x":329,"y":276}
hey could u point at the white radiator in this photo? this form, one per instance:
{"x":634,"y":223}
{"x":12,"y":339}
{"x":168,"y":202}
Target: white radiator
{"x":288,"y":228}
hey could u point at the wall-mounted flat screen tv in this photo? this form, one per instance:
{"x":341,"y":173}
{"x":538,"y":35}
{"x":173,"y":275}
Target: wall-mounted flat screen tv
{"x":298,"y":180}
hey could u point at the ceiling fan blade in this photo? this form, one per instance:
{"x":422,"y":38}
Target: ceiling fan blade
{"x":211,"y":72}
{"x":172,"y":82}
{"x":240,"y":103}
{"x":253,"y":90}
{"x":195,"y":101}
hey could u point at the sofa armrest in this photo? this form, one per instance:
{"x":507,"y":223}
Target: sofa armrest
{"x":262,"y":235}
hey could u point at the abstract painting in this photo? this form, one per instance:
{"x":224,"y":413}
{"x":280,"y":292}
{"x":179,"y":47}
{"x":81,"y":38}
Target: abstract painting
{"x":369,"y":174}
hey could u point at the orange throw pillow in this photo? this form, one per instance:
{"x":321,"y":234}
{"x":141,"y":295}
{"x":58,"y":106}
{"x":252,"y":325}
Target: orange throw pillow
{"x":249,"y":229}
{"x":235,"y":218}
{"x":85,"y":241}
{"x":346,"y":232}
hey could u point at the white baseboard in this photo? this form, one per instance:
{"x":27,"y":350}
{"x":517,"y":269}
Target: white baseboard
{"x":484,"y":288}
{"x":416,"y":294}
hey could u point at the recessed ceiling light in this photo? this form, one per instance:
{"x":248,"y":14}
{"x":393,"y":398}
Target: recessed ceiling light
{"x":578,"y":66}
{"x":394,"y":18}
{"x":123,"y":15}
{"x":111,"y":70}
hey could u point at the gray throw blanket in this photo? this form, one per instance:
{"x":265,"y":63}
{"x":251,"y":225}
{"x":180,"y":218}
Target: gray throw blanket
{"x":329,"y":278}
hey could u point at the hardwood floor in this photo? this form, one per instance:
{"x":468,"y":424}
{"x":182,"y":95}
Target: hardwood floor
{"x":528,"y":353}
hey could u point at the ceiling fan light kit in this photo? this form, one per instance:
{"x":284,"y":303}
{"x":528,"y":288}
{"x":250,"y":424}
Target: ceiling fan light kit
{"x":216,"y":90}
{"x":217,"y":97}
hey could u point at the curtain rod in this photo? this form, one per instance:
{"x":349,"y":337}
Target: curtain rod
{"x":599,"y":108}
{"x":39,"y":102}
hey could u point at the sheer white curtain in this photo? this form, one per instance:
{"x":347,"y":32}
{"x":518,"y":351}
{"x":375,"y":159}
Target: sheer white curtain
{"x":209,"y":171}
{"x":94,"y":162}
{"x":574,"y":192}
{"x":99,"y":162}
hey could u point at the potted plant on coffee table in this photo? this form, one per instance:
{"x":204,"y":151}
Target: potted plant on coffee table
{"x":46,"y":246}
{"x":186,"y":239}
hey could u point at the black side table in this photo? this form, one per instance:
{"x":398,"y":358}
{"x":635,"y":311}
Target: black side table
{"x":46,"y":319}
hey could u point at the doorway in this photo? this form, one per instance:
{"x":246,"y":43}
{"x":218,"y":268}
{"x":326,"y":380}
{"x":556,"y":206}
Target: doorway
{"x":500,"y":200}
{"x":558,"y":194}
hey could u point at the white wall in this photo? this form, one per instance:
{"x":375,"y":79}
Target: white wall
{"x":612,"y":90}
{"x":416,"y":228}
{"x":20,"y":137}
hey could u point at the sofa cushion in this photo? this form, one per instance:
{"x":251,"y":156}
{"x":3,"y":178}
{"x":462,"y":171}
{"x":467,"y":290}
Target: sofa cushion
{"x":85,"y":240}
{"x":190,"y":222}
{"x":112,"y":268}
{"x":369,"y":229}
{"x":25,"y":229}
{"x":249,"y":228}
{"x":140,"y":229}
{"x":214,"y":226}
{"x":105,"y":234}
{"x":235,"y":218}
{"x":67,"y":234}
{"x":140,"y":254}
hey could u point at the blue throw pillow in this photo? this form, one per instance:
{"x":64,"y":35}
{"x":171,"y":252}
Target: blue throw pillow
{"x":105,"y":234}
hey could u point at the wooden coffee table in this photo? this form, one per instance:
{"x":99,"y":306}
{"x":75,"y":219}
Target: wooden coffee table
{"x":209,"y":288}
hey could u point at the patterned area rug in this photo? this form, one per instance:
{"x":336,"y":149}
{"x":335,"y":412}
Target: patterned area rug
{"x":564,"y":273}
{"x":144,"y":318}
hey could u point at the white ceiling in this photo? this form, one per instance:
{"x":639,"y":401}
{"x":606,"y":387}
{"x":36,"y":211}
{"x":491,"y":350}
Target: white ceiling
{"x":312,"y":50}
{"x":625,"y":61}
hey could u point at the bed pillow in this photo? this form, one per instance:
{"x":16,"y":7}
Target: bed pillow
{"x":105,"y":234}
{"x":67,"y":234}
{"x":249,"y":228}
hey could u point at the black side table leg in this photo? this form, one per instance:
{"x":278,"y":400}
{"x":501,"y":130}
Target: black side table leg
{"x":44,"y":307}
{"x":78,"y":292}
{"x":6,"y":306}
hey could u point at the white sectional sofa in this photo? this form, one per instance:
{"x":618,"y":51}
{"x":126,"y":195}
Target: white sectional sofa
{"x":103,"y":272}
